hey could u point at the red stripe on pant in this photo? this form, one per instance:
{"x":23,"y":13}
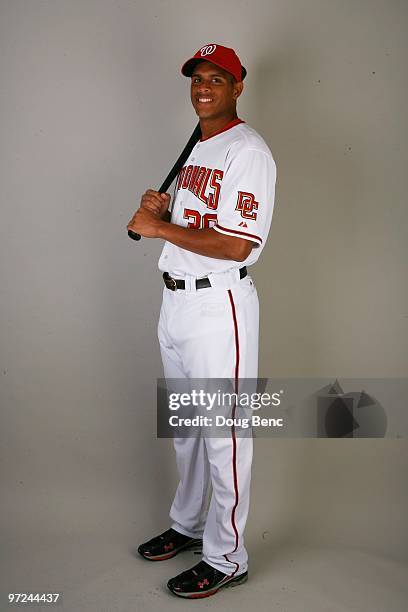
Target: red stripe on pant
{"x":234,"y":441}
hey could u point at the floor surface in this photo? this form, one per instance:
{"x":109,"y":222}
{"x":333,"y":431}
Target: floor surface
{"x":98,"y":574}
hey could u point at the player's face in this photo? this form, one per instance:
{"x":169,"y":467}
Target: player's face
{"x":214,"y":92}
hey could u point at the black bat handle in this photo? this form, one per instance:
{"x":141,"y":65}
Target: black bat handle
{"x":162,"y":189}
{"x":133,"y":235}
{"x":195,"y":136}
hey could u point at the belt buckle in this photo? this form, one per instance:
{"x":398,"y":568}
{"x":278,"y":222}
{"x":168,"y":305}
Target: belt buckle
{"x":170,"y":283}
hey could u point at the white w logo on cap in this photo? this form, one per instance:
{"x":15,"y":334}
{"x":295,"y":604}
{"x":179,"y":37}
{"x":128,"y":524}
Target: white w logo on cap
{"x":207,"y":50}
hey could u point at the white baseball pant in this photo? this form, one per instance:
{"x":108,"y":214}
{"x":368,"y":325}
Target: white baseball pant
{"x":212,"y":333}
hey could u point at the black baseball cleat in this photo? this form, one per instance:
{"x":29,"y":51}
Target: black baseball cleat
{"x":167,"y":545}
{"x":203,"y":580}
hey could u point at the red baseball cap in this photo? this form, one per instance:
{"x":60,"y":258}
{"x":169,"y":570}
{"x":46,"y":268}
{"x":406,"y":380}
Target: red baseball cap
{"x":220,"y":56}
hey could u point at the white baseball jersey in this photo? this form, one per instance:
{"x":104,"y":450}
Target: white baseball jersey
{"x":228,"y":183}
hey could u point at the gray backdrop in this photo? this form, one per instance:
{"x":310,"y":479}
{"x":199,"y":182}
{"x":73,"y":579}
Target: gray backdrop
{"x":93,"y":112}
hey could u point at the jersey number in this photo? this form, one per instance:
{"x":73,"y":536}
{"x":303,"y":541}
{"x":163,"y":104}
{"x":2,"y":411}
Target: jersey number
{"x":198,"y":221}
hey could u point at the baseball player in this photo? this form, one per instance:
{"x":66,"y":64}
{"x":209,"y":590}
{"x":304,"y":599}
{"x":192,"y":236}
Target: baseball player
{"x":208,"y":328}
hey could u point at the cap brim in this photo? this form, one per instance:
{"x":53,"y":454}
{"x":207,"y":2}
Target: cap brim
{"x":189,"y":65}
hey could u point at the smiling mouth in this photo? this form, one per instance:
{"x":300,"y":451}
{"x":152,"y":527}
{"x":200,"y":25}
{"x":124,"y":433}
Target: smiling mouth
{"x":204,"y":100}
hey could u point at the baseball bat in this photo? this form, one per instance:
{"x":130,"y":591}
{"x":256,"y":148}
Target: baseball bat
{"x":195,"y":136}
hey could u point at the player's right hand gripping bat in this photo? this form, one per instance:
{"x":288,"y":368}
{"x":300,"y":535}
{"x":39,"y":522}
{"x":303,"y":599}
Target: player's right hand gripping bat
{"x":195,"y":136}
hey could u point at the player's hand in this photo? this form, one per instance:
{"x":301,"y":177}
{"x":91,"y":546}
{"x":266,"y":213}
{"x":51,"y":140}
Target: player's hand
{"x":146,"y":223}
{"x":156,"y":202}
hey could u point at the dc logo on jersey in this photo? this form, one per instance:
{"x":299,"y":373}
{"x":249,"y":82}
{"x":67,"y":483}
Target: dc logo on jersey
{"x":207,"y":50}
{"x":247,"y":205}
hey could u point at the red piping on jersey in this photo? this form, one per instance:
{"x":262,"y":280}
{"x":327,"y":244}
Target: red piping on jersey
{"x":234,"y":441}
{"x":226,"y":229}
{"x":224,"y":129}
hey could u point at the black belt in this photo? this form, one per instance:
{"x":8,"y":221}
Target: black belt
{"x":201,"y":283}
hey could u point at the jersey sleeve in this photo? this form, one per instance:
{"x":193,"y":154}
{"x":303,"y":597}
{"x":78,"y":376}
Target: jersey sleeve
{"x":247,"y":196}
